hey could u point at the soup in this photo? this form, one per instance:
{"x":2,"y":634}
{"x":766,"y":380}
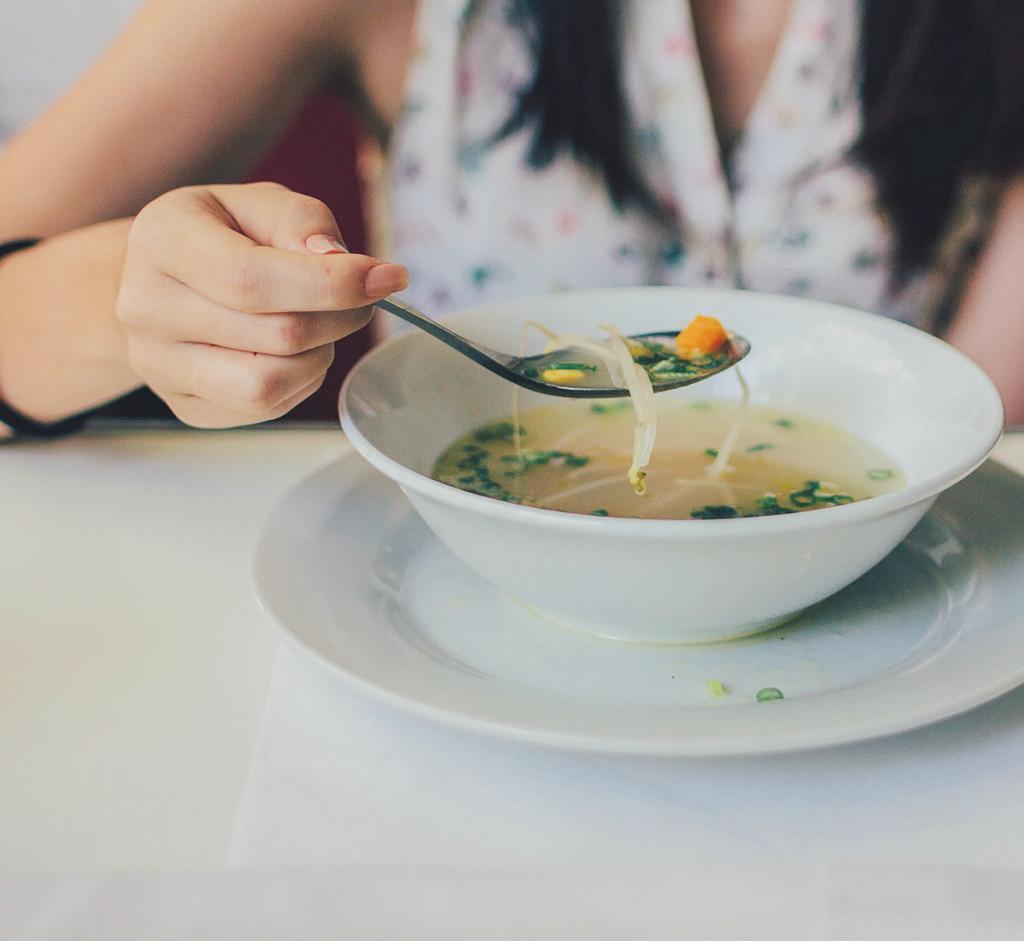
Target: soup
{"x":571,"y":457}
{"x":637,"y":364}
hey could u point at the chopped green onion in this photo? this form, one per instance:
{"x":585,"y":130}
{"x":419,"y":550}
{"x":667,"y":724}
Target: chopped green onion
{"x":811,"y":495}
{"x":759,"y":447}
{"x":768,"y":505}
{"x":769,"y":694}
{"x":671,"y":364}
{"x":586,"y":367}
{"x":598,"y":409}
{"x":715,"y":512}
{"x":715,"y":688}
{"x":599,"y":512}
{"x":499,"y":431}
{"x":710,"y":361}
{"x":880,"y":473}
{"x":711,"y":452}
{"x":783,"y":423}
{"x":529,"y":459}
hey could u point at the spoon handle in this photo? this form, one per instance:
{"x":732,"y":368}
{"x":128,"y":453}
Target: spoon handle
{"x":486,"y":357}
{"x":411,"y":315}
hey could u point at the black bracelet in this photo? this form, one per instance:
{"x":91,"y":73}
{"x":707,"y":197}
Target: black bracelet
{"x":16,"y":245}
{"x":20,"y":424}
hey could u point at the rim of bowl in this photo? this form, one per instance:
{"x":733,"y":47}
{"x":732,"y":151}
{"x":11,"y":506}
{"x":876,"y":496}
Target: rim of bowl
{"x":869,"y":508}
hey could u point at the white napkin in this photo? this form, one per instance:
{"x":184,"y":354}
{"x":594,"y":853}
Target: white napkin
{"x":338,"y":779}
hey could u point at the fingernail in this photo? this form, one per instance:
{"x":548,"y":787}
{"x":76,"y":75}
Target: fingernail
{"x":385,"y":279}
{"x":325,"y":245}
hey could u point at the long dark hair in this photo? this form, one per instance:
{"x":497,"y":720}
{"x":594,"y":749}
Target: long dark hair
{"x":941,"y":85}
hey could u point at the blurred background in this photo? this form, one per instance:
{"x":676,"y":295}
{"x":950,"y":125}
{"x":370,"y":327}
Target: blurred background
{"x":44,"y":47}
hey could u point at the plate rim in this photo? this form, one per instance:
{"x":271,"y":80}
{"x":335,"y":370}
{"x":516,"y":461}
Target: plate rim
{"x":814,"y":737}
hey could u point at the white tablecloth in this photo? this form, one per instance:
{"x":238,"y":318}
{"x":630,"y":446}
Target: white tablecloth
{"x":742,"y":902}
{"x":133,"y":681}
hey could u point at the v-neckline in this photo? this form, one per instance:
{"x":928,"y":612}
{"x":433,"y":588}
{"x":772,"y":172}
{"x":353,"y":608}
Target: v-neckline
{"x":778,"y":70}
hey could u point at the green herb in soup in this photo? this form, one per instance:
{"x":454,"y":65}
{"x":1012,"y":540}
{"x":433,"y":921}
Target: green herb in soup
{"x":571,"y":457}
{"x":664,"y":365}
{"x":600,"y":408}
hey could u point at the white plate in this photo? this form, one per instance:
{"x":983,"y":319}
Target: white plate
{"x":350,"y":572}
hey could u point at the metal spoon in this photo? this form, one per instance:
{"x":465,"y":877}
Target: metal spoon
{"x":596,"y":383}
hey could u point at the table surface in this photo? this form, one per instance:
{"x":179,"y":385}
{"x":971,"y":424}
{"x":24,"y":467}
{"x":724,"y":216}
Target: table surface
{"x":134,"y":661}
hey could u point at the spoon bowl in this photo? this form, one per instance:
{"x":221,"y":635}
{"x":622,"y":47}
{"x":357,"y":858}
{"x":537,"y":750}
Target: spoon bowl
{"x":594,"y":381}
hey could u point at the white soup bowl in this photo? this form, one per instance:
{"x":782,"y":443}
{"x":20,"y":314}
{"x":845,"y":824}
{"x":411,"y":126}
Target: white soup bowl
{"x":926,"y":405}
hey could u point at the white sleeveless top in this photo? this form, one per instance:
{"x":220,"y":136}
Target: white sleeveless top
{"x":474,"y":222}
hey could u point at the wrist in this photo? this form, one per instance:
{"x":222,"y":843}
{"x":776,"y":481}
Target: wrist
{"x":62,"y":350}
{"x":12,"y":422}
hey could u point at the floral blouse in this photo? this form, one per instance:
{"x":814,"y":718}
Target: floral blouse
{"x":792,"y":213}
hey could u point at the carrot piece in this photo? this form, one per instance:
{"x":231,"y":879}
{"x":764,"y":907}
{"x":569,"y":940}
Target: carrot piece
{"x":701,"y":335}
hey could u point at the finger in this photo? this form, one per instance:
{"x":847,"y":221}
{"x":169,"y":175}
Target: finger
{"x":175,"y":312}
{"x":205,"y":252}
{"x":252,"y":384}
{"x":272,"y":214}
{"x":203,"y":414}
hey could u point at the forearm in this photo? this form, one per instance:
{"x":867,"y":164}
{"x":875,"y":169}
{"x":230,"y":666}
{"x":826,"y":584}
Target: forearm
{"x":989,"y":326}
{"x":61,"y":347}
{"x":192,"y":91}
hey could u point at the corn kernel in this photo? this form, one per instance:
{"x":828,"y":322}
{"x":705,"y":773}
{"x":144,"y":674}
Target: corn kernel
{"x":562,"y":377}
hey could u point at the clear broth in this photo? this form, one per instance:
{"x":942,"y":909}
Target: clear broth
{"x":573,"y":457}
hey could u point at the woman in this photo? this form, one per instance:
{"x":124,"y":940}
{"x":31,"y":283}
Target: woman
{"x":854,"y":150}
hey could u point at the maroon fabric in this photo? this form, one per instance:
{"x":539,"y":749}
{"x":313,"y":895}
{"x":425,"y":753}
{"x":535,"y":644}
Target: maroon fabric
{"x":317,"y":156}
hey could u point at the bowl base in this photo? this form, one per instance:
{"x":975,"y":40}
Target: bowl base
{"x":678,"y":638}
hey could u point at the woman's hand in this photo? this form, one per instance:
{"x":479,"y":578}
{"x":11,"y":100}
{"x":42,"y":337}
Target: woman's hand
{"x":232,"y":297}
